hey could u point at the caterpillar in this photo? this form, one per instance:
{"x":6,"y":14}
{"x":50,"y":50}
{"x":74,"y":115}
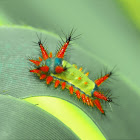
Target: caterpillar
{"x":56,"y":69}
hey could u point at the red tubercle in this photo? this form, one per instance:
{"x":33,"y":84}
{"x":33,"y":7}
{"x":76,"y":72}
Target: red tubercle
{"x":59,"y":69}
{"x":61,"y":52}
{"x":35,"y":71}
{"x":98,"y":105}
{"x":40,"y":59}
{"x":100,"y":95}
{"x":85,"y":83}
{"x":44,"y":53}
{"x":102,"y":79}
{"x":87,"y":74}
{"x":36,"y":62}
{"x":63,"y":85}
{"x":79,"y":78}
{"x":75,"y":66}
{"x":91,"y":102}
{"x":80,"y":69}
{"x":71,"y":89}
{"x":44,"y":68}
{"x":50,"y":55}
{"x":83,"y":98}
{"x":43,"y":76}
{"x":57,"y":82}
{"x":98,"y":82}
{"x":49,"y":79}
{"x":78,"y":94}
{"x":87,"y":101}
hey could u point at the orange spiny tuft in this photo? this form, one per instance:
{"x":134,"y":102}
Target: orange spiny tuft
{"x":98,"y":105}
{"x":61,"y":52}
{"x":49,"y":79}
{"x":102,"y":79}
{"x":86,"y":83}
{"x":40,"y":59}
{"x":78,"y":93}
{"x":43,"y":76}
{"x":79,"y":78}
{"x":98,"y":82}
{"x":59,"y":69}
{"x":35,"y":71}
{"x":71,"y":89}
{"x":44,"y":68}
{"x":87,"y":101}
{"x":87,"y":74}
{"x":63,"y":85}
{"x":83,"y":98}
{"x":57,"y":82}
{"x":80,"y":69}
{"x":91,"y":102}
{"x":36,"y":62}
{"x":50,"y":55}
{"x":44,"y":53}
{"x":74,"y":66}
{"x":99,"y":95}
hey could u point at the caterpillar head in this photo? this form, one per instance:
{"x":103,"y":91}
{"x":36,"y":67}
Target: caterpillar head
{"x":55,"y":65}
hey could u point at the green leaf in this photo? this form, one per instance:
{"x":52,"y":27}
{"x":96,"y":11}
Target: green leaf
{"x":70,"y":115}
{"x":22,"y":120}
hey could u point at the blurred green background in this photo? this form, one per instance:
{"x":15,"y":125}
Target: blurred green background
{"x":110,"y":36}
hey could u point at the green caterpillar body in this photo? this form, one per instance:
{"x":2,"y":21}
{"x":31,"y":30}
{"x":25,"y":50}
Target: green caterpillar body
{"x":76,"y":78}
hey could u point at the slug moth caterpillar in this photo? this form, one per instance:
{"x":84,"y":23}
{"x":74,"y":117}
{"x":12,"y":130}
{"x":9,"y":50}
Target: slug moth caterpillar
{"x":56,"y":69}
